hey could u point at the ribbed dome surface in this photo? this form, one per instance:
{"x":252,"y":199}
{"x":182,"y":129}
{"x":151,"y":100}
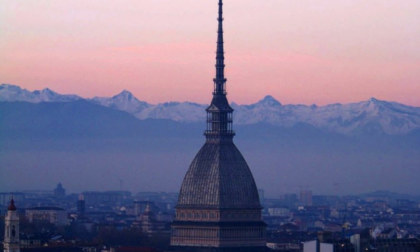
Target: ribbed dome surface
{"x":219,"y":177}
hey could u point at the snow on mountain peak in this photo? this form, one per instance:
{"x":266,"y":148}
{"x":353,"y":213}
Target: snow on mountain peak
{"x":376,"y":101}
{"x":125,"y":94}
{"x":5,"y":86}
{"x":124,"y":101}
{"x":10,"y":92}
{"x":15,"y":93}
{"x":374,"y":106}
{"x":47,"y":91}
{"x":372,"y":115}
{"x":269,"y":100}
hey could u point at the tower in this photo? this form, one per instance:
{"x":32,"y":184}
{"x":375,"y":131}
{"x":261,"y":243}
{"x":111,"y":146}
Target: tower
{"x":59,"y":191}
{"x":306,"y":198}
{"x":11,"y":232}
{"x":218,"y":206}
{"x":81,"y":206}
{"x":147,"y":220}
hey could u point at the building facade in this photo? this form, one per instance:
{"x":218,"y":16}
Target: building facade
{"x":81,"y":206}
{"x":305,"y":198}
{"x":110,"y":197}
{"x":218,"y":206}
{"x":54,"y":215}
{"x":279,"y":211}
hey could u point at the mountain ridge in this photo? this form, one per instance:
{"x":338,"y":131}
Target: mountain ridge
{"x":372,"y":116}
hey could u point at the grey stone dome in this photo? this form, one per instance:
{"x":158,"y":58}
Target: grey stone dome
{"x":220,"y":178}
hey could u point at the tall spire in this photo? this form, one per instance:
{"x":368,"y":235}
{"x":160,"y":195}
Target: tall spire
{"x":218,"y":184}
{"x":219,"y":113}
{"x":220,"y":80}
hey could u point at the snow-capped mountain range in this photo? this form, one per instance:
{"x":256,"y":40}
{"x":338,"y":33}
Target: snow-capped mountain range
{"x":366,"y":116}
{"x":15,"y":93}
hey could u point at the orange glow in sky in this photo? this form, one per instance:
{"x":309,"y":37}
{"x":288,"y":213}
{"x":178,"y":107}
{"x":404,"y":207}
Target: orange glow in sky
{"x":306,"y":51}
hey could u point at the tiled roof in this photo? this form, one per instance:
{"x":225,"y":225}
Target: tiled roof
{"x":219,"y":177}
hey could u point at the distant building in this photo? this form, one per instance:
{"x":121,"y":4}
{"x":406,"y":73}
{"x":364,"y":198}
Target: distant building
{"x":131,"y":249}
{"x":395,"y":245}
{"x":59,"y":191}
{"x":279,"y":211}
{"x":150,"y":225}
{"x":262,"y":196}
{"x":386,"y":199}
{"x":53,"y":215}
{"x":318,"y":246}
{"x":11,"y":241}
{"x":366,"y":223}
{"x":290,"y":199}
{"x":305,"y":198}
{"x":325,"y":243}
{"x":404,"y":203}
{"x":35,"y":194}
{"x":340,"y":214}
{"x":81,"y":206}
{"x":388,"y":233}
{"x":30,"y":241}
{"x":111,"y":197}
{"x":323,"y":200}
{"x":140,"y":207}
{"x":361,"y":240}
{"x":289,"y":227}
{"x":283,"y":246}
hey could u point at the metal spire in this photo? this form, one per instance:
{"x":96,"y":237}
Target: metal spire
{"x":219,"y":113}
{"x":220,"y":80}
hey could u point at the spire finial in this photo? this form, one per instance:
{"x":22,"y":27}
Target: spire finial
{"x":12,"y":206}
{"x":220,"y":80}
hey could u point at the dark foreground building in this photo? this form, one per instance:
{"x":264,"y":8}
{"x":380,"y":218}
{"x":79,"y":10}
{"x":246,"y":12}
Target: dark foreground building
{"x":218,"y":207}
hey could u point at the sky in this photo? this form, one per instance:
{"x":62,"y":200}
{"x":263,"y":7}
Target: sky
{"x":305,"y":51}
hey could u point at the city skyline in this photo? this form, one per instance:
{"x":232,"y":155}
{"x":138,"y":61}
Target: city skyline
{"x":329,"y":52}
{"x":331,"y":167}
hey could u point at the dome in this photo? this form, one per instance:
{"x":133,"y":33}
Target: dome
{"x":220,"y":178}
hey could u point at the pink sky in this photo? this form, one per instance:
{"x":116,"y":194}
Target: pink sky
{"x":306,"y":51}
